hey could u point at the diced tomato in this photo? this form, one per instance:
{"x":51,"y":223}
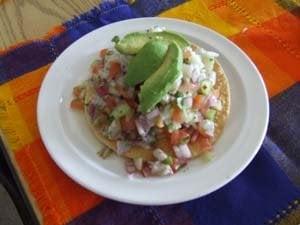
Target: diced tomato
{"x":195,"y":136}
{"x":204,"y":109}
{"x":127,"y":123}
{"x":178,"y":136}
{"x":202,"y":132}
{"x":163,"y":142}
{"x":103,"y":52}
{"x":110,"y":101}
{"x":114,"y":70}
{"x":174,"y":137}
{"x":198,"y":101}
{"x":204,"y":143}
{"x":201,"y":145}
{"x":77,"y":91}
{"x":131,"y":103}
{"x":96,"y":67}
{"x":102,"y":90}
{"x":177,"y":115}
{"x":77,"y":104}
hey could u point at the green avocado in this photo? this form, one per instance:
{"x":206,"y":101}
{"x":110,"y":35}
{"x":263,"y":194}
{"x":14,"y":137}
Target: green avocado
{"x":133,"y":42}
{"x":148,"y":59}
{"x":162,"y":80}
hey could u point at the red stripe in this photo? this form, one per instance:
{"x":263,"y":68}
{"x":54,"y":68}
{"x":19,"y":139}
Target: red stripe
{"x":279,"y":40}
{"x":58,"y":198}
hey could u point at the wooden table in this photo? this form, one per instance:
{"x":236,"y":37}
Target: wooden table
{"x":28,"y":19}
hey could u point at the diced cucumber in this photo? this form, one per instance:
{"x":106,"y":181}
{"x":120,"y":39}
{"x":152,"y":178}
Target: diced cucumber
{"x":205,"y":87}
{"x":121,"y":110}
{"x":168,"y":161}
{"x":211,"y":114}
{"x":208,"y":62}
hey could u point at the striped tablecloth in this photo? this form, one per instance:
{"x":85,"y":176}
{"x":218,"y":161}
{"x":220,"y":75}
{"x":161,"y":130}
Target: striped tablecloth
{"x":268,"y":31}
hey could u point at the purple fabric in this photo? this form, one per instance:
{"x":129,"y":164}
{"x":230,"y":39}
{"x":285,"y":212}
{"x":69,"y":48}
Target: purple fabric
{"x":253,"y":198}
{"x":39,"y":53}
{"x":284,"y":126}
{"x":111,"y":212}
{"x":145,"y":8}
{"x":25,"y":59}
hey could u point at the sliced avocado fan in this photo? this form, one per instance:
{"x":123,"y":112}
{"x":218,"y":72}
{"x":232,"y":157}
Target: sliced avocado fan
{"x":132,"y":43}
{"x":162,"y":80}
{"x":146,"y":62}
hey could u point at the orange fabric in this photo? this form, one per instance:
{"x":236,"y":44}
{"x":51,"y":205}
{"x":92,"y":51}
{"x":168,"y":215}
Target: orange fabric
{"x":58,"y":198}
{"x":275,"y":78}
{"x":55,"y":31}
{"x":198,"y":12}
{"x":256,"y":11}
{"x":256,"y":30}
{"x":282,"y":33}
{"x":25,"y":94}
{"x":244,"y":14}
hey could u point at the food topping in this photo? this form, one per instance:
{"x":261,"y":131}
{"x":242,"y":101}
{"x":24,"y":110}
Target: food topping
{"x":153,"y":86}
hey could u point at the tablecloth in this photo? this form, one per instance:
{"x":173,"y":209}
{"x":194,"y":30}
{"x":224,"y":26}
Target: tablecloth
{"x":266,"y":192}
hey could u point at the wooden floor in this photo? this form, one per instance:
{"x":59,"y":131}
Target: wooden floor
{"x":28,"y":19}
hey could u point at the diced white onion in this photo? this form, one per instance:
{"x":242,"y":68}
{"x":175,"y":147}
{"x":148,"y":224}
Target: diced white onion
{"x":157,"y":29}
{"x":138,"y":162}
{"x":154,"y":113}
{"x":208,"y":126}
{"x":114,"y":129}
{"x":160,"y":154}
{"x":212,"y":76}
{"x":182,"y":151}
{"x":160,"y":169}
{"x":210,"y":54}
{"x":187,"y":102}
{"x":196,"y":59}
{"x":218,"y":106}
{"x":143,"y":125}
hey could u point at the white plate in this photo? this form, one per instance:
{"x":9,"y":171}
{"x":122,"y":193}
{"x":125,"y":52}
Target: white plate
{"x":73,"y":147}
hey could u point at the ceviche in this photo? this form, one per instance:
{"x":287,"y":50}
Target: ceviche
{"x":156,"y":99}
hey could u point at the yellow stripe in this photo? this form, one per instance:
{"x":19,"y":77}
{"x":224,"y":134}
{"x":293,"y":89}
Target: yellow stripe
{"x":197,"y":11}
{"x":12,"y":125}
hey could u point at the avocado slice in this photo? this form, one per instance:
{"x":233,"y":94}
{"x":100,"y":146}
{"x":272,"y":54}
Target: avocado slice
{"x":162,"y":80}
{"x":146,"y":62}
{"x":133,"y":42}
